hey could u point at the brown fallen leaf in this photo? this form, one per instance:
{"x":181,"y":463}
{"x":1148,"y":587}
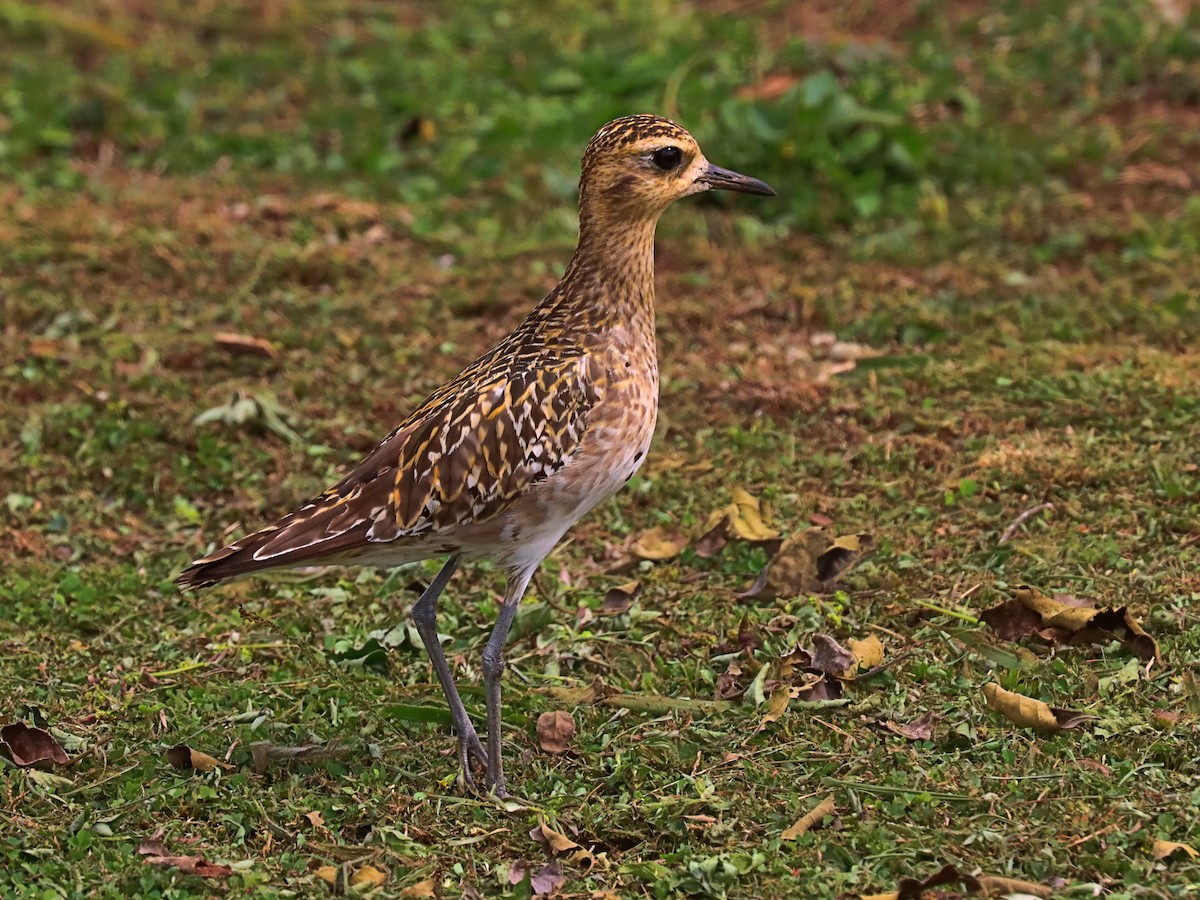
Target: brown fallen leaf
{"x":777,"y":704}
{"x":996,"y":886}
{"x":831,"y":658}
{"x":315,"y":818}
{"x":329,"y":874}
{"x":813,"y":817}
{"x":192,"y":865}
{"x":655,"y":544}
{"x":1066,"y":619}
{"x":153,"y":846}
{"x":545,"y":880}
{"x":1166,"y":849}
{"x":244,"y":345}
{"x":868,"y":651}
{"x":809,"y":562}
{"x":620,"y":598}
{"x":369,"y":876}
{"x":1030,"y":713}
{"x":557,"y":844}
{"x":29,"y":746}
{"x":744,"y":519}
{"x":181,"y":756}
{"x":917,"y":730}
{"x":555,"y":730}
{"x":265,"y":753}
{"x":422,"y":890}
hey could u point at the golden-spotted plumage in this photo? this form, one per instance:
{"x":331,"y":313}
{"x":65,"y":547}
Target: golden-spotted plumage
{"x":500,"y":461}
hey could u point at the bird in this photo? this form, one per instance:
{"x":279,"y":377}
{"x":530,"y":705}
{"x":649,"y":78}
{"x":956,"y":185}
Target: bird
{"x":500,"y":461}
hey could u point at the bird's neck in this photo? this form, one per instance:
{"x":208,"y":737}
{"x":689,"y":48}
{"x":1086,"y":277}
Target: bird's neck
{"x":610,"y":279}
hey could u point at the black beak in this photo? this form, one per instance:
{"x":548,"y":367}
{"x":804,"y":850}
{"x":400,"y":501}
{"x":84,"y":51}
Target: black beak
{"x":725,"y":180}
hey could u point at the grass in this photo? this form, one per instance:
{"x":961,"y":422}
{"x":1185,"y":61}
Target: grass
{"x":994,"y":200}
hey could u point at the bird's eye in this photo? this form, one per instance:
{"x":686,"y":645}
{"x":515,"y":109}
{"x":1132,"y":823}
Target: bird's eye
{"x":667,"y":158}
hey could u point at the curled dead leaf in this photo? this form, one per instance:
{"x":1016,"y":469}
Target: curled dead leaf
{"x":620,"y":598}
{"x":831,"y":658}
{"x":777,"y":704}
{"x":29,"y":746}
{"x":192,"y":865}
{"x":743,"y":519}
{"x":917,"y":730}
{"x":552,"y":841}
{"x":1012,"y":888}
{"x":244,"y":345}
{"x":809,"y":562}
{"x":368,"y":876}
{"x":1030,"y":713}
{"x":545,"y":880}
{"x":422,"y":890}
{"x":1166,"y":849}
{"x":868,"y":651}
{"x":265,"y":753}
{"x":555,"y":730}
{"x":813,"y":817}
{"x":181,"y":756}
{"x":655,"y":544}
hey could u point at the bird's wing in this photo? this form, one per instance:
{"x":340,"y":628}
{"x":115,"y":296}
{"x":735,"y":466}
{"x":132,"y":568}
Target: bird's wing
{"x":463,"y":457}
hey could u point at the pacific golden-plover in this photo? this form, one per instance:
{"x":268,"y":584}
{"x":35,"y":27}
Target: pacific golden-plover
{"x":501,"y":460}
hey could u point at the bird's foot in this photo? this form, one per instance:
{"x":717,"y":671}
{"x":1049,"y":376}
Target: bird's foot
{"x":470,"y":748}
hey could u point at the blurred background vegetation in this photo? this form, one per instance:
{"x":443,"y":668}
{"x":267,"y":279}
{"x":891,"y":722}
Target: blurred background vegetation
{"x":863,"y":114}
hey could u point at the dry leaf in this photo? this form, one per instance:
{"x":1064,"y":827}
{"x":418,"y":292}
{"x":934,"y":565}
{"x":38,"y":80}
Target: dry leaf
{"x":1065,"y":619}
{"x":1167,"y":849}
{"x":620,"y":598}
{"x":831,"y":658}
{"x":555,"y":729}
{"x":809,"y":819}
{"x":368,"y":875}
{"x":265,"y":753}
{"x":328,"y":874}
{"x":655,"y":544}
{"x":422,"y":890}
{"x":995,"y":886}
{"x":809,"y":562}
{"x":546,"y":880}
{"x":181,"y":756}
{"x":1030,"y":713}
{"x":192,"y":865}
{"x":29,"y":746}
{"x":747,"y":519}
{"x":868,"y":651}
{"x":743,"y":519}
{"x":551,"y":840}
{"x":918,"y":730}
{"x":315,"y":818}
{"x":777,"y":705}
{"x":244,"y":345}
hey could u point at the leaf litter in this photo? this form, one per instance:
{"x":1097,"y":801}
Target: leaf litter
{"x":1070,"y":620}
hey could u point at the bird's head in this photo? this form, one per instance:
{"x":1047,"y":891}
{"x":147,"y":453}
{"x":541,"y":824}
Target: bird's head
{"x":637,"y":166}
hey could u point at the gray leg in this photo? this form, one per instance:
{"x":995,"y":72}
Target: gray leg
{"x":493,"y":668}
{"x":424,"y":613}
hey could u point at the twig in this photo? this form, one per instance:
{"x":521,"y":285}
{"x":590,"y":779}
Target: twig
{"x":1024,"y":517}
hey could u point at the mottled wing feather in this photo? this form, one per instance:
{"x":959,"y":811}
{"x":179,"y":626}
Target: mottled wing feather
{"x":463,"y":457}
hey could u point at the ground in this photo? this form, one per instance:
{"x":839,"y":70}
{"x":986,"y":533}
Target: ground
{"x":969,"y":327}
